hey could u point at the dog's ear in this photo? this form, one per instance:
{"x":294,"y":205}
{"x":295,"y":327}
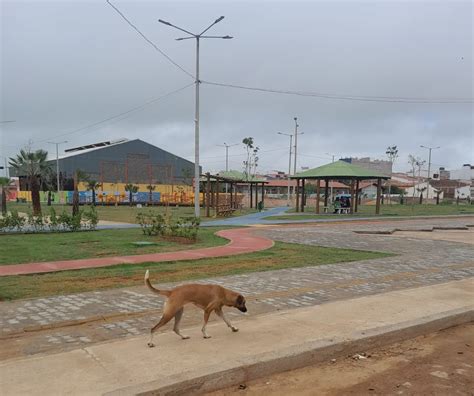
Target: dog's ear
{"x":240,"y":300}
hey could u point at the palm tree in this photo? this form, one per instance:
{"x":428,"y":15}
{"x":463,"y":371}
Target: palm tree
{"x":33,"y":165}
{"x":93,"y":185}
{"x":4,"y":184}
{"x":150,"y":189}
{"x":132,"y":189}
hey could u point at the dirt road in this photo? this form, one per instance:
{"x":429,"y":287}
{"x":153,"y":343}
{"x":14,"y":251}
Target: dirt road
{"x":438,"y":364}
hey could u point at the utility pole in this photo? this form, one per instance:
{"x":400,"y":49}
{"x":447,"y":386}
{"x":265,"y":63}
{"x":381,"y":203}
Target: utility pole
{"x":227,"y":157}
{"x":296,"y":142}
{"x":332,"y":196}
{"x":289,"y":165}
{"x":199,"y":36}
{"x":57,"y":165}
{"x":429,"y":168}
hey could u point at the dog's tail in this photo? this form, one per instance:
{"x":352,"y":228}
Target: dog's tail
{"x":154,"y":289}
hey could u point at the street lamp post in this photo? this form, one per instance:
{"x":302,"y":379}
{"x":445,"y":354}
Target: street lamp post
{"x":227,"y":157}
{"x":332,"y":196}
{"x":429,"y":168}
{"x":196,"y":117}
{"x":57,"y":164}
{"x":289,"y":165}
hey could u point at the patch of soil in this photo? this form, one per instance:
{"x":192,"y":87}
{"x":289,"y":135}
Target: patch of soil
{"x":438,"y":364}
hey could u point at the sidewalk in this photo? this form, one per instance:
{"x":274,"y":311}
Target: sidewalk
{"x":241,"y":241}
{"x":264,"y":344}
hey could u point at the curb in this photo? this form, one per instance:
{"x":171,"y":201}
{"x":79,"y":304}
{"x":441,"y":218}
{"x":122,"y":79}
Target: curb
{"x":309,"y":353}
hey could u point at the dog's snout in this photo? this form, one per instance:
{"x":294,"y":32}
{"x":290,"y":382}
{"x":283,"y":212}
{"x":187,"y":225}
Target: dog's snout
{"x":243,"y":309}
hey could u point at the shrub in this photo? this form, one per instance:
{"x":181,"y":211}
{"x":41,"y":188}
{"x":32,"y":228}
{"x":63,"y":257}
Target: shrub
{"x":159,"y":225}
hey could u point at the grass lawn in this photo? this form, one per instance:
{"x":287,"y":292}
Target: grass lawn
{"x":126,"y":214}
{"x":24,"y":248}
{"x":385,"y":210}
{"x":282,"y":255}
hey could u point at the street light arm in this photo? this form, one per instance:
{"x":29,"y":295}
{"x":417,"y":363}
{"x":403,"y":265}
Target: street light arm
{"x":218,"y":37}
{"x":176,"y":27}
{"x":211,"y":25}
{"x":185,"y":38}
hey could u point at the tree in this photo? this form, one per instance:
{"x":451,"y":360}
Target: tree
{"x":132,"y":189}
{"x":79,"y":176}
{"x":4,"y":185}
{"x":93,"y":185}
{"x":48,"y":182}
{"x":392,"y":154}
{"x":420,"y":190}
{"x":150,"y":189}
{"x":251,"y":162}
{"x":32,"y":165}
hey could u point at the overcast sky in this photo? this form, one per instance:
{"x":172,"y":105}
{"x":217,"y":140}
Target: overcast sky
{"x":68,"y":64}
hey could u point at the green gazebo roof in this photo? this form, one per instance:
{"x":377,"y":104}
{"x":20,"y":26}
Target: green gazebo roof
{"x":240,"y":176}
{"x":339,"y":170}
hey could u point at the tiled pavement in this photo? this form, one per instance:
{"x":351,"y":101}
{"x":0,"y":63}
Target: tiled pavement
{"x":127,"y":312}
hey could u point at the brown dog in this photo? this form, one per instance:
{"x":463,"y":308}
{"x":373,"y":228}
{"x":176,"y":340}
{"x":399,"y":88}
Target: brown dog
{"x":207,"y":297}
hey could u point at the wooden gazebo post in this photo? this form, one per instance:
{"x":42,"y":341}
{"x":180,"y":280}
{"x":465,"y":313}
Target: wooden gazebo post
{"x":297,"y":195}
{"x":326,"y":193}
{"x":352,"y":197}
{"x":208,"y":194}
{"x":379,"y":189}
{"x":251,"y":195}
{"x":302,"y":194}
{"x":356,"y":204}
{"x":263,"y":194}
{"x":256,"y":195}
{"x":318,"y":191}
{"x":217,"y":196}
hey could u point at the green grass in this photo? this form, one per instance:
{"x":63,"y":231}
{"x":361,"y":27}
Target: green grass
{"x":24,"y":248}
{"x":385,"y":210}
{"x":127,"y":214}
{"x":282,"y":255}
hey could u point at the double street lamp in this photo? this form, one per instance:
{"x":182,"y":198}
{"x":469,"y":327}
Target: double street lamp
{"x":196,"y":118}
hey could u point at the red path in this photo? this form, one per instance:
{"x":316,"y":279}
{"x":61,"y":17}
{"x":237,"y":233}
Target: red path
{"x":241,"y":241}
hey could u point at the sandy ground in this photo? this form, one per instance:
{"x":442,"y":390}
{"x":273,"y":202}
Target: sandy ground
{"x":439,"y":364}
{"x":466,"y":236}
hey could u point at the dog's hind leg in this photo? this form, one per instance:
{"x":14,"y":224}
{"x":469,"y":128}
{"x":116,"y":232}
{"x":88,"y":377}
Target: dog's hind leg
{"x":177,"y":320}
{"x":227,"y":322}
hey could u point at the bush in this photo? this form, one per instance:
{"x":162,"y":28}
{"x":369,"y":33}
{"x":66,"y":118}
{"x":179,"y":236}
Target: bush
{"x":85,"y":219}
{"x":159,"y":225}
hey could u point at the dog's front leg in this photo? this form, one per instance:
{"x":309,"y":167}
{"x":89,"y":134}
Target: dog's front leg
{"x":207,"y":313}
{"x":220,"y":313}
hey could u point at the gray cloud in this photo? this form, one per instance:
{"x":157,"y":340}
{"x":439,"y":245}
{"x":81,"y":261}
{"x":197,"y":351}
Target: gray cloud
{"x":71,"y":63}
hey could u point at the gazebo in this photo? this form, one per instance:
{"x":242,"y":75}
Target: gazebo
{"x":232,"y":178}
{"x":341,"y":171}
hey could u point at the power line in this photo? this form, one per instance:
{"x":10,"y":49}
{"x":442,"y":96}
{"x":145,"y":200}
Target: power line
{"x":388,"y":99}
{"x":118,"y":115}
{"x":149,"y":41}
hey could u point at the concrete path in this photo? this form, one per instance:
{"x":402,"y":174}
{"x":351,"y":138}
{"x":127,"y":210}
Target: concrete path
{"x":264,"y":344}
{"x":246,"y":220}
{"x":46,"y":325}
{"x":241,"y":241}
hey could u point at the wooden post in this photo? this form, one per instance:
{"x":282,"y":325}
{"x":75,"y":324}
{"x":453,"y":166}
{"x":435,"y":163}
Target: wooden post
{"x":302,"y":194}
{"x":356,"y":205}
{"x":208,"y":194}
{"x":318,"y":191}
{"x":352,"y":197}
{"x":263,"y":193}
{"x":379,"y":188}
{"x":326,"y":192}
{"x":251,"y":195}
{"x":231,"y":203}
{"x":297,"y":195}
{"x":256,"y":195}
{"x":217,"y":195}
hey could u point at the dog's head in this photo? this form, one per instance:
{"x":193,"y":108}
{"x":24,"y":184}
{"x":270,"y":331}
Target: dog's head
{"x":240,"y":303}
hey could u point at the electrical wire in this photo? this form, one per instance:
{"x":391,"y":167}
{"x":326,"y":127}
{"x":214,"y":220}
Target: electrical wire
{"x":345,"y":97}
{"x":149,"y":41}
{"x":117,"y":115}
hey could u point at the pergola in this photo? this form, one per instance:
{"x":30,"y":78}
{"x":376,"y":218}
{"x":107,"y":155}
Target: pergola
{"x":340,"y":171}
{"x":233,"y":179}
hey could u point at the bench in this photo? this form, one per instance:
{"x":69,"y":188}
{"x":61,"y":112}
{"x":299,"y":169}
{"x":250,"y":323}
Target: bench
{"x":224,"y":210}
{"x":343,"y":210}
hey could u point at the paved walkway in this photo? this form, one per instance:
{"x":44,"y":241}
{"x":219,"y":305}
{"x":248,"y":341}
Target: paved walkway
{"x":283,"y":339}
{"x":241,"y":241}
{"x":118,"y":313}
